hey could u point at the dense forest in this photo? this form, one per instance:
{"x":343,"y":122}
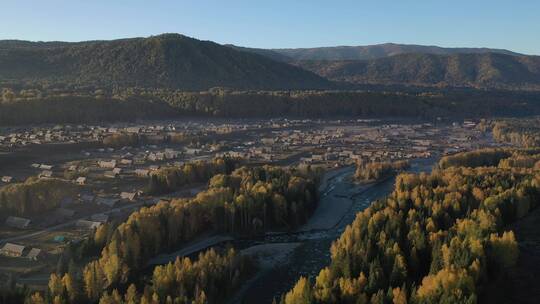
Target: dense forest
{"x":207,"y":280}
{"x":168,"y":60}
{"x":23,"y":105}
{"x":247,"y":201}
{"x":34,"y":196}
{"x":437,"y":238}
{"x":521,"y":132}
{"x":480,"y":70}
{"x":173,"y":178}
{"x":80,"y":109}
{"x":477,"y":158}
{"x":373,"y":171}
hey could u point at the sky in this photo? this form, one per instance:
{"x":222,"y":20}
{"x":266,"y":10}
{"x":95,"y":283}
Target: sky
{"x":513,"y":25}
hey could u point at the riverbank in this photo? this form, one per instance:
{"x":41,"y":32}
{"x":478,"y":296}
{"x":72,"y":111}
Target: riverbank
{"x":331,"y":206}
{"x":267,"y":257}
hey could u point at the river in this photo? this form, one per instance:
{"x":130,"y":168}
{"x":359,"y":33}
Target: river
{"x":314,"y":252}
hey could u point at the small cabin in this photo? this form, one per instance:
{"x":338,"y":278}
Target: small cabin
{"x":34,"y":254}
{"x":12,"y":250}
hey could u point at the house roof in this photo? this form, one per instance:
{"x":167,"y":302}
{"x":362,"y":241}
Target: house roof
{"x":88,"y":224}
{"x":34,"y":253}
{"x":128,"y":195}
{"x":13,"y":248}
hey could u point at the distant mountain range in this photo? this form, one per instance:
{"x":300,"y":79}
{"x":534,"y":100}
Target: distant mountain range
{"x":480,"y":70}
{"x":179,"y":62}
{"x":168,"y":60}
{"x":415,"y":65}
{"x":377,"y":51}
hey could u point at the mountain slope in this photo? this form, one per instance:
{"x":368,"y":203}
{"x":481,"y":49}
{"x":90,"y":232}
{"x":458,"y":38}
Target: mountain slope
{"x":264,"y":52}
{"x":169,"y":60}
{"x":460,"y":70}
{"x":378,"y":51}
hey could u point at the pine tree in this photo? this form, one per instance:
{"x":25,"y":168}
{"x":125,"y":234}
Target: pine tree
{"x":131,"y":296}
{"x":300,"y":294}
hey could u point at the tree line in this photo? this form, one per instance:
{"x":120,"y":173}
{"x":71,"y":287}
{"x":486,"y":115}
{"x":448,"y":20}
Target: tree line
{"x":519,"y":132}
{"x":34,"y":196}
{"x":437,"y":238}
{"x":478,"y":158}
{"x":173,"y":178}
{"x":210,"y":278}
{"x":74,"y":104}
{"x":373,"y":171}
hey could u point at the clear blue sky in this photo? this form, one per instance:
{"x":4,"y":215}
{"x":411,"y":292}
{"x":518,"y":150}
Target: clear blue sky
{"x":513,"y":25}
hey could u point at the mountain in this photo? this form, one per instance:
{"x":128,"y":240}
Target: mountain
{"x":486,"y":70}
{"x":178,"y":62}
{"x":22,"y":44}
{"x":264,"y":52}
{"x":168,"y":60}
{"x":377,"y":51}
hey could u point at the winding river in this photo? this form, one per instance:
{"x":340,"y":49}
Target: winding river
{"x":314,"y":254}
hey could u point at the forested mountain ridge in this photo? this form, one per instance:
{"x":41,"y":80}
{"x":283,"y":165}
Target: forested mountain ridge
{"x":179,"y":62}
{"x":489,"y":70}
{"x":168,"y":60}
{"x":366,"y":52}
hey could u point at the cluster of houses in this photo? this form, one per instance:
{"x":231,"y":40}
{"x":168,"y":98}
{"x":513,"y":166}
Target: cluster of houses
{"x":69,"y":134}
{"x":14,"y":250}
{"x":38,"y":137}
{"x":154,"y":132}
{"x":136,"y":164}
{"x":346,"y":141}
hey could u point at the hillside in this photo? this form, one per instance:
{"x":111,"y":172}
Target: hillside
{"x":169,"y":60}
{"x":378,"y":51}
{"x":264,"y":52}
{"x":488,"y":70}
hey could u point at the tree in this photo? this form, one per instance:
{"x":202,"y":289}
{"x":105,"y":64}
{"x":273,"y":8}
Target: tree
{"x":131,"y":296}
{"x":300,"y":294}
{"x":399,"y":296}
{"x":36,"y":298}
{"x":56,"y":288}
{"x":93,"y":280}
{"x":71,"y":287}
{"x":504,"y":249}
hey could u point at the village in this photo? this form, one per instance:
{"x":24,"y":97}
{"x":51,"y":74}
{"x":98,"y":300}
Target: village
{"x":109,"y":179}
